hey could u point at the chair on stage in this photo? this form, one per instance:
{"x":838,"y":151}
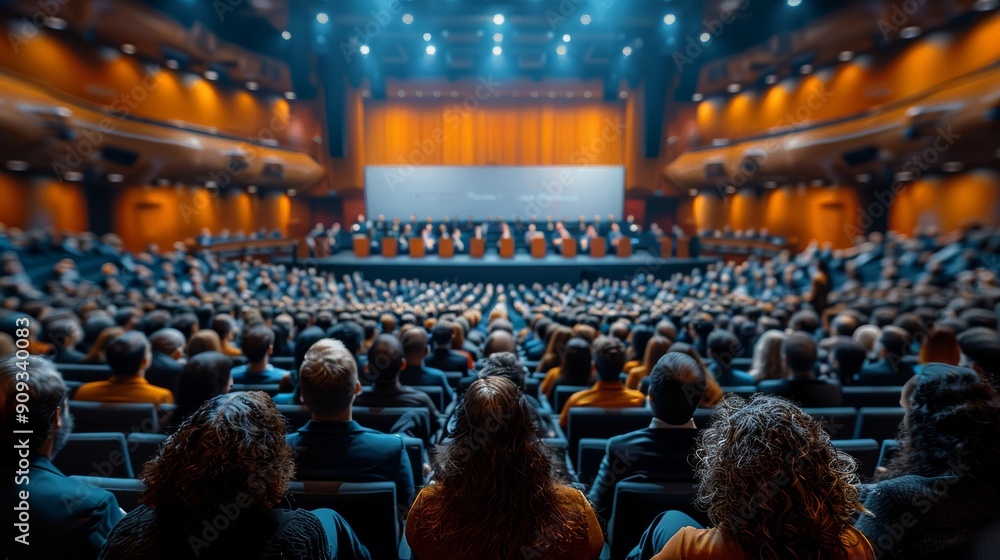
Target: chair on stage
{"x":362,"y":246}
{"x":623,"y":247}
{"x":538,"y":247}
{"x":390,"y":247}
{"x":598,"y":247}
{"x":568,"y":247}
{"x":417,"y":248}
{"x":507,"y":248}
{"x":666,"y":247}
{"x":446,"y":248}
{"x":477,"y":248}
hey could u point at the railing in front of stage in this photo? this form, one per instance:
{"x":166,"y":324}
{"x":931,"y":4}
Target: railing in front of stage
{"x":250,"y":248}
{"x":507,"y":248}
{"x":735,"y":248}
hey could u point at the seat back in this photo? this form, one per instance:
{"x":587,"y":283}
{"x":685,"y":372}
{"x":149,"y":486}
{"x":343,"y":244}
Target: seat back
{"x":839,"y":422}
{"x":415,"y":453}
{"x":296,"y":414}
{"x":744,"y":391}
{"x":433,"y":391}
{"x":142,"y":448}
{"x":562,"y":394}
{"x":586,"y":422}
{"x":864,"y":451}
{"x":127,"y":491}
{"x":95,"y":454}
{"x":84,"y":373}
{"x":589,"y":454}
{"x":638,"y":502}
{"x":368,"y":507}
{"x":114,"y":417}
{"x":383,"y":419}
{"x":888,"y":450}
{"x":862,"y":397}
{"x":269,"y":388}
{"x":531,"y":386}
{"x":879,"y":423}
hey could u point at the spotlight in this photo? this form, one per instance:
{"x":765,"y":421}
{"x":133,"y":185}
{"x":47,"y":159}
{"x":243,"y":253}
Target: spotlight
{"x":290,"y":95}
{"x":730,"y":190}
{"x":534,"y":95}
{"x":622,"y":94}
{"x":401,"y":93}
{"x":985,"y":5}
{"x":128,"y":48}
{"x":172,"y":64}
{"x":286,"y":35}
{"x":252,"y":85}
{"x":863,"y":178}
{"x":952,"y":166}
{"x":627,"y":51}
{"x":454,"y":94}
{"x":588,"y":94}
{"x":697,"y":97}
{"x":292,"y":192}
{"x":211,"y":185}
{"x":211,"y":75}
{"x":252,"y":189}
{"x":431,"y":49}
{"x":17,"y":165}
{"x":437,"y":93}
{"x":845,"y":56}
{"x":705,"y":37}
{"x":322,"y":18}
{"x":669,"y":19}
{"x":498,"y":37}
{"x":364,"y":50}
{"x":902,"y":176}
{"x":552,"y":95}
{"x":693,"y":192}
{"x":771,"y":79}
{"x":498,"y":19}
{"x":794,"y":3}
{"x":115,"y":177}
{"x":561,"y":50}
{"x":806,"y":69}
{"x":770,"y":184}
{"x":55,"y":23}
{"x":427,"y":36}
{"x":911,"y":32}
{"x":497,"y":51}
{"x":419,"y":93}
{"x":733,"y":88}
{"x":585,"y":19}
{"x":407,"y":19}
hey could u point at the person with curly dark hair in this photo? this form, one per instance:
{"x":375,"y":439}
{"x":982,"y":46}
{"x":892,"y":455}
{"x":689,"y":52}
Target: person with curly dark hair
{"x":773,"y":486}
{"x":213,"y":488}
{"x":940,"y":489}
{"x":494,"y":496}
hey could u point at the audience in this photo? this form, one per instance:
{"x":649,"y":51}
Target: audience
{"x":203,"y":377}
{"x":768,"y":361}
{"x":415,"y":373}
{"x":609,"y":391}
{"x":258,"y":345}
{"x":96,"y":355}
{"x":129,"y":356}
{"x":442,"y":356}
{"x":167,"y":351}
{"x":891,"y":369}
{"x":722,"y":348}
{"x":203,"y":341}
{"x":802,"y":386}
{"x":656,"y":348}
{"x":385,"y":360}
{"x":577,"y":369}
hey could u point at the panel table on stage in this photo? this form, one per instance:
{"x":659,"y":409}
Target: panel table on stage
{"x":477,"y":248}
{"x":666,"y":247}
{"x":417,"y":248}
{"x":446,"y":248}
{"x":598,"y":247}
{"x":623,"y":247}
{"x":390,"y":247}
{"x":538,"y":247}
{"x":507,"y":248}
{"x":362,"y":246}
{"x":684,"y":248}
{"x":568,"y":247}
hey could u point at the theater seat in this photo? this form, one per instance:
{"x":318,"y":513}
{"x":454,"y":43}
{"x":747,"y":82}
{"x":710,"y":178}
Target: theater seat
{"x":84,"y":373}
{"x":297,"y":415}
{"x":864,"y":451}
{"x":433,"y":391}
{"x":889,"y":449}
{"x":585,"y":422}
{"x":589,"y":454}
{"x":840,"y":422}
{"x":384,"y":419}
{"x":702,"y":417}
{"x":744,"y":391}
{"x":879,"y":423}
{"x":269,"y":388}
{"x":95,"y":454}
{"x":638,"y":502}
{"x":562,"y":393}
{"x":368,"y":507}
{"x":859,"y":397}
{"x":114,"y":417}
{"x":128,"y":491}
{"x":142,"y":448}
{"x":415,"y":453}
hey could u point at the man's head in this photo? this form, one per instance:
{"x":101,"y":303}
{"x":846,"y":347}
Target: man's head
{"x":799,"y":350}
{"x":385,"y":359}
{"x":848,"y":357}
{"x":65,"y":333}
{"x":129,"y":354}
{"x":981,"y":348}
{"x":47,"y":414}
{"x":414,"y":343}
{"x":895,"y":341}
{"x":169,"y":342}
{"x":722,"y":346}
{"x":258,"y":343}
{"x":349,"y":333}
{"x":609,"y":357}
{"x":328,"y":379}
{"x":676,"y":385}
{"x":504,"y":364}
{"x":225,"y":326}
{"x":442,"y":334}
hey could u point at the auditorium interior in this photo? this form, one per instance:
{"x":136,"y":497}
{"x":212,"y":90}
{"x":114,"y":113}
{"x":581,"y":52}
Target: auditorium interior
{"x":497,"y":279}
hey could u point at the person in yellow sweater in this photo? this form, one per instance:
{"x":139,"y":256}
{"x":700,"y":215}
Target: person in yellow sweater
{"x":608,"y":392}
{"x":128,"y":357}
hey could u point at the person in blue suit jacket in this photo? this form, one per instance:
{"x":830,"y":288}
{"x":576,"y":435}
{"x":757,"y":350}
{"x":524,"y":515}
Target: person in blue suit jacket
{"x":414,"y":372}
{"x":660,"y":451}
{"x":65,"y":518}
{"x":332,"y":446}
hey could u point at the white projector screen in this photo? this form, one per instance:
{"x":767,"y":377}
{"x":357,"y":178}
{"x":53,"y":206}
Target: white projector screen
{"x":480,"y":191}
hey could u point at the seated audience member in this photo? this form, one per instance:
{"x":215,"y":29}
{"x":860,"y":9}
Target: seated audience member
{"x":494,"y":496}
{"x":868,"y":336}
{"x":722,"y":348}
{"x":231,"y":451}
{"x":802,"y":386}
{"x":713,"y":391}
{"x":68,"y":518}
{"x":981,"y":351}
{"x":656,"y":348}
{"x":167,"y":351}
{"x":442,"y":357}
{"x":943,"y":478}
{"x":661,"y":451}
{"x":385,"y":360}
{"x":768,"y":361}
{"x":557,"y":339}
{"x":96,"y":355}
{"x":129,"y":357}
{"x":842,"y":329}
{"x":332,"y":446}
{"x":891,"y":369}
{"x":258,"y":344}
{"x":577,"y":368}
{"x":770,"y":456}
{"x":608,"y":392}
{"x":225,"y":326}
{"x":534,"y":348}
{"x":414,"y":371}
{"x":203,"y":377}
{"x":353,"y":337}
{"x":641,"y":335}
{"x":65,"y":334}
{"x":940,"y":346}
{"x":203,"y":341}
{"x":846,"y":359}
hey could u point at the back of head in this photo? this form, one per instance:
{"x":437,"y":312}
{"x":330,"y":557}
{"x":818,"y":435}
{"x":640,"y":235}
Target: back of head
{"x":676,"y":386}
{"x":640,"y":337}
{"x":769,"y":453}
{"x":203,"y":376}
{"x":231,"y":450}
{"x":498,"y":341}
{"x":982,"y":347}
{"x":895,"y":341}
{"x":941,"y":346}
{"x":45,"y":391}
{"x":799,"y":350}
{"x":223,"y":325}
{"x":868,"y":336}
{"x":203,"y":341}
{"x":126,"y":353}
{"x":504,"y":364}
{"x":414,"y":343}
{"x":166,"y":341}
{"x":806,"y":321}
{"x":578,"y":365}
{"x":723,"y":345}
{"x":442,"y":333}
{"x":609,"y":357}
{"x":849,"y":357}
{"x":328,"y":377}
{"x":257,"y":342}
{"x":349,"y":333}
{"x":385,"y":359}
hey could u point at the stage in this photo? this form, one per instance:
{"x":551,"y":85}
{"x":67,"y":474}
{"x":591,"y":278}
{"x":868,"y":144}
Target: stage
{"x":491,"y":268}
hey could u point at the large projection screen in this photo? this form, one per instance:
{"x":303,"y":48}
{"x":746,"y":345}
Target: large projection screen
{"x":561,"y":191}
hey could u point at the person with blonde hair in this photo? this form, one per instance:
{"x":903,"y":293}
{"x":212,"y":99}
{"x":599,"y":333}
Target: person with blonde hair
{"x":768,"y":362}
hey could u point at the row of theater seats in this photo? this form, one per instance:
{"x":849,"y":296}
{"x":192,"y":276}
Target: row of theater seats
{"x":507,"y":247}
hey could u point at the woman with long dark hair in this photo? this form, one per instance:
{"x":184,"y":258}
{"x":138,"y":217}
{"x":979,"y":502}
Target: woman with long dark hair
{"x":204,"y":376}
{"x":228,"y":460}
{"x":774,"y":487}
{"x":577,"y":368}
{"x":494,"y":496}
{"x":555,"y":349}
{"x":943,"y":478}
{"x":656,"y":348}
